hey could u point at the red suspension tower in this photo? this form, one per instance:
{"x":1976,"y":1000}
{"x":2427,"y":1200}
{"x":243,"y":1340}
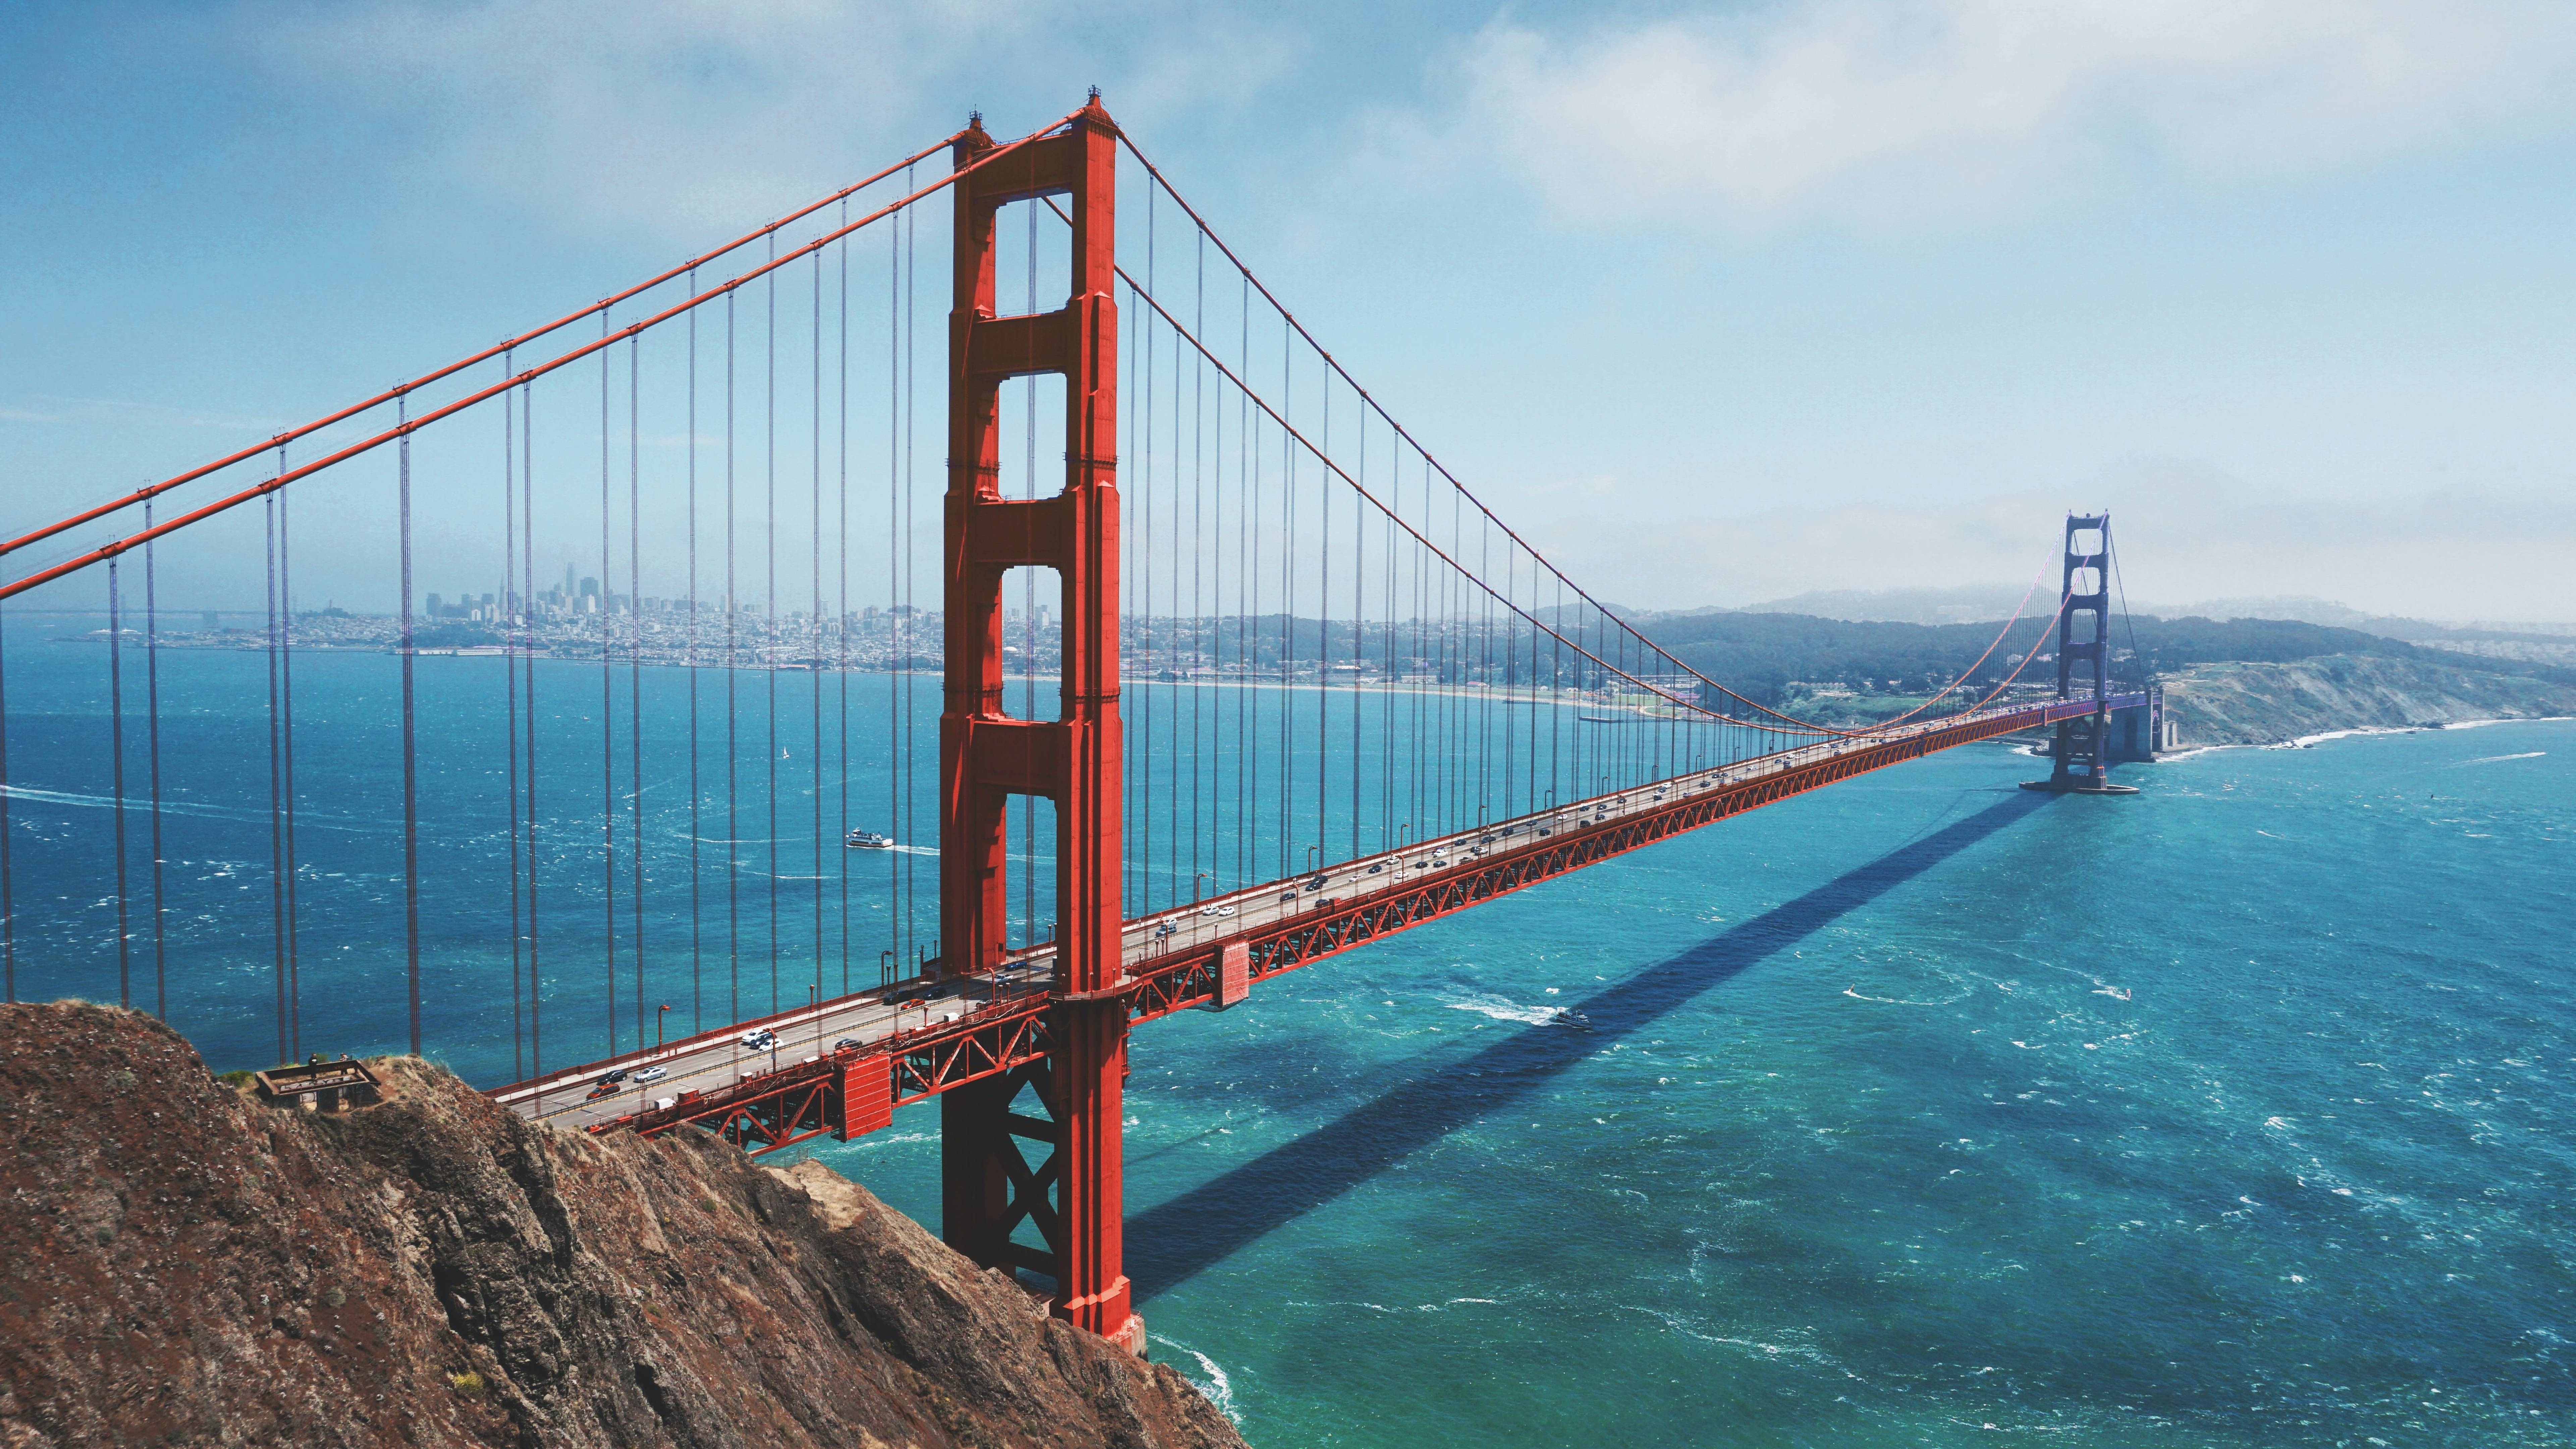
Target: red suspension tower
{"x":988,"y":1189}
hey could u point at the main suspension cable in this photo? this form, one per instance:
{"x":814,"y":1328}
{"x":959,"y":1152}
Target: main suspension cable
{"x":1164,"y":185}
{"x":501,"y":349}
{"x":109,"y":550}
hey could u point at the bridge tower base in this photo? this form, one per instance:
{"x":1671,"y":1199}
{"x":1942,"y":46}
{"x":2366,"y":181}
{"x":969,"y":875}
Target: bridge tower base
{"x":2080,"y":755}
{"x":1071,"y":1200}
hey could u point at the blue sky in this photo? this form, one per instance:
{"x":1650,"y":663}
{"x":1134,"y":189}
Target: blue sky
{"x":1722,"y":302}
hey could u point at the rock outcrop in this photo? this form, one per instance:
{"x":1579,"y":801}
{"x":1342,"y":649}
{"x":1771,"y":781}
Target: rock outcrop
{"x":187,"y":1264}
{"x":2262,"y":704}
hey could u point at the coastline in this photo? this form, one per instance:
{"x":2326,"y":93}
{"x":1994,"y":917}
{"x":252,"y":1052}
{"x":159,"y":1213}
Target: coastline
{"x":2307,"y":742}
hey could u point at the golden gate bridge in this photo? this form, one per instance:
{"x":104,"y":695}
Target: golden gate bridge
{"x":1361,"y":701}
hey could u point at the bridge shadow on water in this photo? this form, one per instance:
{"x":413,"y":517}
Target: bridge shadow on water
{"x":1169,"y":1244}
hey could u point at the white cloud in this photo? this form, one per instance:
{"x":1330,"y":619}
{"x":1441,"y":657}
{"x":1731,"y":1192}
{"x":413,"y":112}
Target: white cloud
{"x":1880,"y":110}
{"x":682,"y":118}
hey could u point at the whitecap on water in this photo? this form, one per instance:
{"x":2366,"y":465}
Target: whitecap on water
{"x":1898,"y":1000}
{"x":1502,"y":1008}
{"x":1218,"y":1388}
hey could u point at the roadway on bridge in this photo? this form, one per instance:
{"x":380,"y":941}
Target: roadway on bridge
{"x":718,"y":1059}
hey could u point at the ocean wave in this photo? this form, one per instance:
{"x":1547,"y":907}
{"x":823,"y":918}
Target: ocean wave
{"x":305,"y":817}
{"x":1502,"y":1008}
{"x":1218,"y":1388}
{"x":1855,"y":994}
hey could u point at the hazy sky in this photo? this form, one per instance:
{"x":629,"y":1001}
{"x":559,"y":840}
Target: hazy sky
{"x":1723,"y":302}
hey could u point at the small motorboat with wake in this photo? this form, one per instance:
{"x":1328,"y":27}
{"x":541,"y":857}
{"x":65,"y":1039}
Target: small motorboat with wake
{"x":867,"y":840}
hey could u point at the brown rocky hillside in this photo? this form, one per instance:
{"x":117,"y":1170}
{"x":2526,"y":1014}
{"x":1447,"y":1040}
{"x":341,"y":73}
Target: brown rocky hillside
{"x":188,"y":1265}
{"x":2261,"y":704}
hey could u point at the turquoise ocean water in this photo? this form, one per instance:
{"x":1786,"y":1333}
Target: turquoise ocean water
{"x":1922,"y":1111}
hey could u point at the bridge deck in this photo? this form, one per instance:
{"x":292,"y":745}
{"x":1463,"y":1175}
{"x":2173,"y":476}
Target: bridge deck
{"x":939,"y":1034}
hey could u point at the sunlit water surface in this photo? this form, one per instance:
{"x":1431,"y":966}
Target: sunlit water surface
{"x":1921,"y":1111}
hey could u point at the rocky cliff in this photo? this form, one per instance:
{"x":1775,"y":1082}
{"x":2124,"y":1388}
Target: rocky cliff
{"x":2261,"y":704}
{"x":185,"y":1264}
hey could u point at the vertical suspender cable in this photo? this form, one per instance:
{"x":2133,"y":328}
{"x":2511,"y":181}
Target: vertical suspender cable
{"x":1288,"y":615}
{"x":1028,"y":615}
{"x":635,"y":673}
{"x":276,"y":769}
{"x":1324,"y":621}
{"x":8,"y":875}
{"x":1144,"y":584}
{"x":528,"y":563}
{"x":1136,"y":771}
{"x":769,"y":632}
{"x":411,"y":790}
{"x":911,"y":415}
{"x":513,"y":612}
{"x":1484,"y":602}
{"x":152,"y":750}
{"x":814,"y":661}
{"x":116,"y":773}
{"x":1133,"y":889}
{"x":697,"y":995}
{"x":607,"y":715}
{"x":1212,"y":620}
{"x":1252,"y":637}
{"x":1391,"y":794}
{"x":1218,"y":538}
{"x":1511,"y":657}
{"x":1172,"y":644}
{"x":286,"y":733}
{"x":898,"y":657}
{"x":733,"y":671}
{"x":1359,"y":609}
{"x":841,"y":605}
{"x":1198,"y":552}
{"x":1416,"y":600}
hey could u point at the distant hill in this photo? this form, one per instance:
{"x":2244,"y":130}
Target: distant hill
{"x":2298,"y":608}
{"x":1963,"y":605}
{"x":2267,"y":703}
{"x":1771,"y":657}
{"x":1974,"y":603}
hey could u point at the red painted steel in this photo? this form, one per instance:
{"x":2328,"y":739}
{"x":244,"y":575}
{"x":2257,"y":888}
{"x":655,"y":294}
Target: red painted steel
{"x":1233,"y":978}
{"x":985,"y":757}
{"x":867,"y":1095}
{"x":757,"y":1114}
